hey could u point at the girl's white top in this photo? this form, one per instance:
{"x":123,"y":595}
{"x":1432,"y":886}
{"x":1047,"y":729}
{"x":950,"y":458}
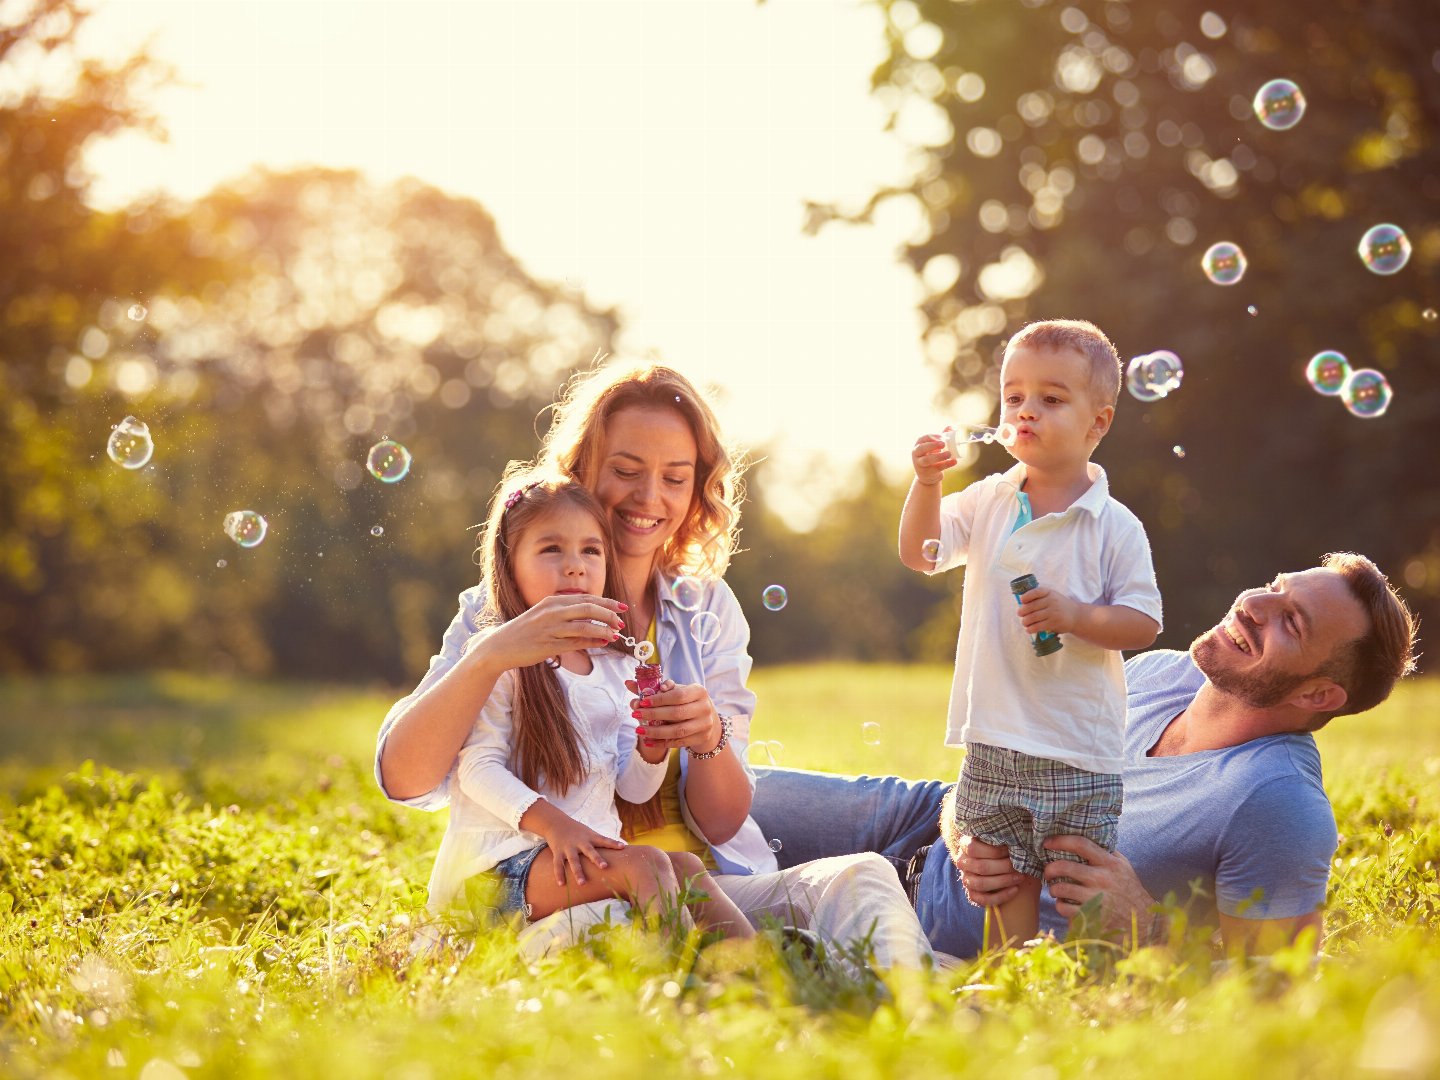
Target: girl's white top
{"x":487,"y":800}
{"x":721,"y":664}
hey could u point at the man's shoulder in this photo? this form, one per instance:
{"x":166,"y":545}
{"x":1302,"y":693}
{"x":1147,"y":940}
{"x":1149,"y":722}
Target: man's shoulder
{"x":1161,"y":669}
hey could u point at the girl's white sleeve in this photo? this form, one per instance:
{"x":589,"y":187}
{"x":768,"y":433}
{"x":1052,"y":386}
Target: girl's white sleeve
{"x":483,"y":771}
{"x":639,"y":779}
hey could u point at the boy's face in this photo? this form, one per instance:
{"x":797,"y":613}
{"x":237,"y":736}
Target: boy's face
{"x":1046,"y":394}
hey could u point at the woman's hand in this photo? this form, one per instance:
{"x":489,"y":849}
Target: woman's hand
{"x":555,"y":625}
{"x":677,"y":716}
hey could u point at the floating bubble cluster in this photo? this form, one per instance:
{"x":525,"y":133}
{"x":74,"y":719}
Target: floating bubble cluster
{"x":388,"y":461}
{"x":705,"y":627}
{"x":1384,"y":249}
{"x":774,"y":597}
{"x":245,"y":527}
{"x":1152,"y":376}
{"x":1366,"y":393}
{"x":870,"y":733}
{"x":930,"y":549}
{"x":1279,"y":104}
{"x":1224,"y":263}
{"x":1327,"y":371}
{"x":137,"y":312}
{"x":688,"y":592}
{"x":130,"y":445}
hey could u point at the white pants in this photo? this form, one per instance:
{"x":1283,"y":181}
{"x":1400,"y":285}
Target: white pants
{"x":843,"y":899}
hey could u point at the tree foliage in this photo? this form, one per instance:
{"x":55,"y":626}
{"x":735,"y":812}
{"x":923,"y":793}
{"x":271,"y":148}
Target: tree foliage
{"x":1075,"y":160}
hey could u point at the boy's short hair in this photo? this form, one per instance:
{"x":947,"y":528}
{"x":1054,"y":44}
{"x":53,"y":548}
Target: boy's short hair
{"x":1085,"y":338}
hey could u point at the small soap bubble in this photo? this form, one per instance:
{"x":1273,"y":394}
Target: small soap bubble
{"x":689,"y":591}
{"x":1178,"y":451}
{"x":1366,"y":393}
{"x":1223,"y":263}
{"x":758,"y":753}
{"x":221,"y":563}
{"x":870,"y":733}
{"x":245,"y":527}
{"x":1430,"y":314}
{"x":930,"y":549}
{"x":1252,"y":310}
{"x":1384,"y":249}
{"x":137,"y":312}
{"x":1006,"y":434}
{"x":388,"y":461}
{"x":774,"y":597}
{"x":776,"y":845}
{"x":1151,"y":376}
{"x":644,"y":650}
{"x":1279,"y":104}
{"x":705,"y":627}
{"x":377,"y":530}
{"x":130,"y":445}
{"x":1327,"y":371}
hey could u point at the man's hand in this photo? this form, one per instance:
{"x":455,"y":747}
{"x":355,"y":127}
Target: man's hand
{"x":1125,"y":902}
{"x":985,"y":871}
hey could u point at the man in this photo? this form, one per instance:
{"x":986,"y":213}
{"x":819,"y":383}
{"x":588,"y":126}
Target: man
{"x":1224,"y":809}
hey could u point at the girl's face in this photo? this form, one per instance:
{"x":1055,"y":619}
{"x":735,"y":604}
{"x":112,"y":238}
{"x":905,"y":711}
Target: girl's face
{"x":646,"y":480}
{"x":562,"y":551}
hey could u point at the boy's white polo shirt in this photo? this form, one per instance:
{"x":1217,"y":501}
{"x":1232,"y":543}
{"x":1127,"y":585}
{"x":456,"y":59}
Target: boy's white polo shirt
{"x":1069,"y":706}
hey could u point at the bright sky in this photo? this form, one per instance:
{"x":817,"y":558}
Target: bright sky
{"x":656,"y":153}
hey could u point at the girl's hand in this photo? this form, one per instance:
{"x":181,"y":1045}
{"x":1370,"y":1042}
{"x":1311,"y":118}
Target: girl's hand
{"x":556,"y":624}
{"x":676,"y":716}
{"x":1045,"y":609}
{"x":931,"y":458}
{"x":572,"y":843}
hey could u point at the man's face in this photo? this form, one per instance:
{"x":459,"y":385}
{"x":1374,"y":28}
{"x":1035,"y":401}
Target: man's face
{"x":1276,"y":638}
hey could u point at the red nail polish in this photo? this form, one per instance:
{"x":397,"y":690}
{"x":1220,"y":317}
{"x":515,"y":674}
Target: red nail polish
{"x":639,"y":731}
{"x":624,"y":607}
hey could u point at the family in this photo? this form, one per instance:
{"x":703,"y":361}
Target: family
{"x":578,"y":793}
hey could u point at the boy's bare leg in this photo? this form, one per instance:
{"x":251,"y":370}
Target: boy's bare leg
{"x":719,"y":912}
{"x":1018,"y":919}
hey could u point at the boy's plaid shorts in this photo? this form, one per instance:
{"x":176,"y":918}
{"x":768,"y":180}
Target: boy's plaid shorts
{"x":1006,"y":797}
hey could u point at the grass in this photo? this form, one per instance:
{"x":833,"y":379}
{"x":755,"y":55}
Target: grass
{"x":224,"y":893}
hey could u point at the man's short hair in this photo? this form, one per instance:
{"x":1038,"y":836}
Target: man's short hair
{"x":1369,"y":666}
{"x":1085,"y":338}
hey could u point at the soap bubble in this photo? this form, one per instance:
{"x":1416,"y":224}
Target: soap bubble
{"x":688,"y":591}
{"x":1178,"y":451}
{"x":137,"y":312}
{"x":1384,"y":249}
{"x":221,"y":563}
{"x":245,"y":527}
{"x":377,"y":530}
{"x":1151,"y":376}
{"x":776,"y":845}
{"x":644,"y":651}
{"x":1006,"y":434}
{"x":758,"y":753}
{"x":774,"y":597}
{"x":930,"y":549}
{"x":870,"y":733}
{"x":388,"y":461}
{"x":130,"y":445}
{"x":1224,"y":263}
{"x":1366,"y":393}
{"x":1327,"y":371}
{"x":1279,"y":104}
{"x":1430,"y":314}
{"x":705,"y":627}
{"x":1252,"y":310}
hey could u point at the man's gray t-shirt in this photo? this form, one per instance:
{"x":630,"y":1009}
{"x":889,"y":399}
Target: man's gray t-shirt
{"x":1250,"y":825}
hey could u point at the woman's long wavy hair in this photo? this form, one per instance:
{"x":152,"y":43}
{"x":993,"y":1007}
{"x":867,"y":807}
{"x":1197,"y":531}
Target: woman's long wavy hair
{"x":703,"y":544}
{"x":546,"y":747}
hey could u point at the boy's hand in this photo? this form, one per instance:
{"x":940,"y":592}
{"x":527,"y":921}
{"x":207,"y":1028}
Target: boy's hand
{"x":571,"y":843}
{"x":1046,"y":609}
{"x":931,"y":458}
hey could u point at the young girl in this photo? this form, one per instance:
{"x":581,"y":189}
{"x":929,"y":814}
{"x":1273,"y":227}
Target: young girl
{"x":532,"y":799}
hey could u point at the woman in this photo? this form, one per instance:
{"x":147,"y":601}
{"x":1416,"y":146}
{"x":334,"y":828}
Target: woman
{"x":646,"y":443}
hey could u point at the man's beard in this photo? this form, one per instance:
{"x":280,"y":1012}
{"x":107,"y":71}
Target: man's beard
{"x":1259,"y":690}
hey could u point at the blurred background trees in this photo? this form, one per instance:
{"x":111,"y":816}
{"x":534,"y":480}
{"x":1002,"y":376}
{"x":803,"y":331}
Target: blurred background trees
{"x":1071,"y":160}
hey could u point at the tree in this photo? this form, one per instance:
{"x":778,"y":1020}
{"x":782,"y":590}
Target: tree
{"x":1076,"y":160}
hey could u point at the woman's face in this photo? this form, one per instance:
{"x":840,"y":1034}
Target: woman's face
{"x":646,"y":480}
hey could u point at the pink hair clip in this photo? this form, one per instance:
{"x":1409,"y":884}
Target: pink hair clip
{"x":519,"y":493}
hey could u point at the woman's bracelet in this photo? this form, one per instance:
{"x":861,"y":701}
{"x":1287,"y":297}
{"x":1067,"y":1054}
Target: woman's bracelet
{"x":725,"y":727}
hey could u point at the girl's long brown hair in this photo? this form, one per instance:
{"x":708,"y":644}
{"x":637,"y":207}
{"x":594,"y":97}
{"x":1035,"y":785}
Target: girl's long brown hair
{"x":546,"y":745}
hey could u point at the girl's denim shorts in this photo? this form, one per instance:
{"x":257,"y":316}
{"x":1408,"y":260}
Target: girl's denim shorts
{"x":512,"y":874}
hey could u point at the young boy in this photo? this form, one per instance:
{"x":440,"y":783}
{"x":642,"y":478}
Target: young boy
{"x":1043,"y":734}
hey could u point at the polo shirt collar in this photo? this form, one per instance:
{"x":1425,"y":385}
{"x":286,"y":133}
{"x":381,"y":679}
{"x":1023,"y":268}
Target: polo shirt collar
{"x":1092,"y":502}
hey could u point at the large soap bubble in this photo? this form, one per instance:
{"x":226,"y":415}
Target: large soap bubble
{"x":1384,"y":249}
{"x":1279,"y":104}
{"x":688,"y":592}
{"x":245,"y":527}
{"x":130,"y":445}
{"x":774,"y":597}
{"x":388,"y":461}
{"x":1151,"y":376}
{"x":1327,"y":371}
{"x":1224,"y":263}
{"x":1366,"y":393}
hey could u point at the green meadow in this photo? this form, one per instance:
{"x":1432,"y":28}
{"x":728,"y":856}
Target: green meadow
{"x":199,"y":878}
